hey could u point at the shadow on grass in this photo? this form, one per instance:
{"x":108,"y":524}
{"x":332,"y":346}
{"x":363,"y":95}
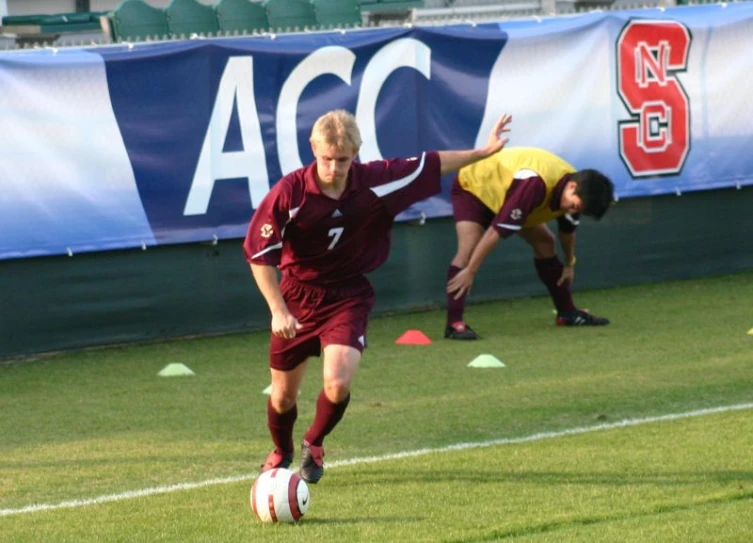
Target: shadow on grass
{"x":550,"y":527}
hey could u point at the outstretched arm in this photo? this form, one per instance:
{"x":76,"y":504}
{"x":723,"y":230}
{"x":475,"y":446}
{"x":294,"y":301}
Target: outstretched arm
{"x":454,"y":160}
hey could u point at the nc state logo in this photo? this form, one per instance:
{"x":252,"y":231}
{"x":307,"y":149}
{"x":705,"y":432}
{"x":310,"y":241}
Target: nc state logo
{"x":266,"y":231}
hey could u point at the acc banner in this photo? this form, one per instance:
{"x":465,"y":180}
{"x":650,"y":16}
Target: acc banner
{"x":134,"y":146}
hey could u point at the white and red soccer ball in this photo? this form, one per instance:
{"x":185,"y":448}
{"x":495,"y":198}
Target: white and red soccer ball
{"x":279,"y":495}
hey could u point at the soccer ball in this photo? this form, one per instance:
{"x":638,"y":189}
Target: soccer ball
{"x":279,"y":495}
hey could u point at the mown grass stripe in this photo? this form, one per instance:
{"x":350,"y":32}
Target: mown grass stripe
{"x":131,"y":494}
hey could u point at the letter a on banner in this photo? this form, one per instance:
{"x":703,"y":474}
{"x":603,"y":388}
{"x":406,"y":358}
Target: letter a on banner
{"x":236,"y":86}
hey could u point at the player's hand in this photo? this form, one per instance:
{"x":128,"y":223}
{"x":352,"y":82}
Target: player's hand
{"x":496,"y":142}
{"x":461,"y":283}
{"x":567,"y":277}
{"x":285,"y":325}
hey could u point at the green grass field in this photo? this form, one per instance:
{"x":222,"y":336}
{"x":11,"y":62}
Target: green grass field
{"x":94,"y":446}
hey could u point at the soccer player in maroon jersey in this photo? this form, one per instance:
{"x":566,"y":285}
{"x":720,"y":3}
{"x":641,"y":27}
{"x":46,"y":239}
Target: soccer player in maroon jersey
{"x":517,"y":191}
{"x":325,"y":226}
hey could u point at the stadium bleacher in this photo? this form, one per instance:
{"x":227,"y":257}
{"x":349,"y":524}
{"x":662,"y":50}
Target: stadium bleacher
{"x":140,"y":20}
{"x":136,"y":20}
{"x":187,"y":17}
{"x":241,"y":16}
{"x":290,"y":15}
{"x":337,"y":13}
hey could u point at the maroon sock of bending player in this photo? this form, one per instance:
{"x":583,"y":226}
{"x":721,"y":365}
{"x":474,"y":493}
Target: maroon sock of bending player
{"x":281,"y":427}
{"x":455,"y":307}
{"x":327,"y":416}
{"x":550,"y":271}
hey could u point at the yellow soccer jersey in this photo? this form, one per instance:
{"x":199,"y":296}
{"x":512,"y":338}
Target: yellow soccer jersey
{"x":490,"y":178}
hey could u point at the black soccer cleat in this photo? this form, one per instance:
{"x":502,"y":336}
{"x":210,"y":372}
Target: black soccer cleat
{"x":277,"y":459}
{"x":460,"y":330}
{"x":312,"y":463}
{"x":579,"y":317}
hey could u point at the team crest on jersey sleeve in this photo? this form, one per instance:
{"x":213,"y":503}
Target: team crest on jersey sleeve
{"x":267,"y":231}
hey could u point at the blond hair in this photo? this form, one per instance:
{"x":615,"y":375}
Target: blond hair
{"x":337,"y":128}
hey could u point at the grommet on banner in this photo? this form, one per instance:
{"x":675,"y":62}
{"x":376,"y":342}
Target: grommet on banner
{"x":677,"y":191}
{"x":69,"y":251}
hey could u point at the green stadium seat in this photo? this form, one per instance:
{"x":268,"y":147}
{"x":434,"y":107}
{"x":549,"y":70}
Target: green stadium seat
{"x":137,"y":20}
{"x":23,"y":20}
{"x":241,"y":16}
{"x":53,"y":24}
{"x":390,"y":6}
{"x":186,"y":17}
{"x":337,"y":13}
{"x":290,"y":14}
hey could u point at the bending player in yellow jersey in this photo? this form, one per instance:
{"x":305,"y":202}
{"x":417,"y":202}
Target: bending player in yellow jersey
{"x":517,"y":191}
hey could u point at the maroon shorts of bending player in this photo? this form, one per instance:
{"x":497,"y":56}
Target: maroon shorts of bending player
{"x":466,"y":207}
{"x":329,"y":316}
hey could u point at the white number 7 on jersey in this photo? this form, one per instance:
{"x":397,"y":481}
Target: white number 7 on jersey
{"x":335,"y":234}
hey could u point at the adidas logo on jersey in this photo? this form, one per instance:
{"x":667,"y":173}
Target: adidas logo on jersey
{"x":337,"y":214}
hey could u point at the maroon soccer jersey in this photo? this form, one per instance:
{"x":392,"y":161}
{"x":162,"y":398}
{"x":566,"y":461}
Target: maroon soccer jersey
{"x":523,"y":197}
{"x":324,"y":241}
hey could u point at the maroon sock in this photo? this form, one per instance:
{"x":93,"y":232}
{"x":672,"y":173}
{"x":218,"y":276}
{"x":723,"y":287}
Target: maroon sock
{"x":455,"y":307}
{"x":281,"y":427}
{"x":327,"y":416}
{"x":550,"y":271}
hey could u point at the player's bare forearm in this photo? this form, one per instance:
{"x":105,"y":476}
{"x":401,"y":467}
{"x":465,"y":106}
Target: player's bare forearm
{"x":567,"y":241}
{"x":485,"y":246}
{"x":269,"y":286}
{"x":451,"y":161}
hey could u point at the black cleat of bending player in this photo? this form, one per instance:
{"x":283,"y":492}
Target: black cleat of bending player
{"x":578,"y":317}
{"x":460,"y":330}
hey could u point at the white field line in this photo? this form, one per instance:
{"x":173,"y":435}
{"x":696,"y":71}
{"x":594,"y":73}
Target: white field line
{"x":70,"y":504}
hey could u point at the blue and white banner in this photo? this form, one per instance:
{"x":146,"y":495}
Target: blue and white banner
{"x":136,"y":146}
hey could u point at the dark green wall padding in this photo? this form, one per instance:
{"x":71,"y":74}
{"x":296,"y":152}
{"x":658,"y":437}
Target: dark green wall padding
{"x":60,"y":303}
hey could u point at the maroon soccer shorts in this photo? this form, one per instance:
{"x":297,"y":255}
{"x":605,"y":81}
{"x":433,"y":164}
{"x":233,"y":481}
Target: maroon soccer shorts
{"x":466,"y":207}
{"x":329,"y":316}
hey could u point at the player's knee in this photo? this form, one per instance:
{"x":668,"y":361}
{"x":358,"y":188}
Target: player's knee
{"x":544,"y":245}
{"x":463,"y":255}
{"x":461,"y":261}
{"x":336,"y":390}
{"x":282,"y":403}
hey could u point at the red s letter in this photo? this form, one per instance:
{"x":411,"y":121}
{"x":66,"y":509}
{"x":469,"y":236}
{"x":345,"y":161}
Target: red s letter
{"x":656,"y":138}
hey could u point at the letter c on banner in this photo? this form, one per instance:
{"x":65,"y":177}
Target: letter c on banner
{"x":333,"y":60}
{"x":402,"y":53}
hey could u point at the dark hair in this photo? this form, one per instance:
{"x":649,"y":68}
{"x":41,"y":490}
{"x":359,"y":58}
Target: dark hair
{"x":596,"y":192}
